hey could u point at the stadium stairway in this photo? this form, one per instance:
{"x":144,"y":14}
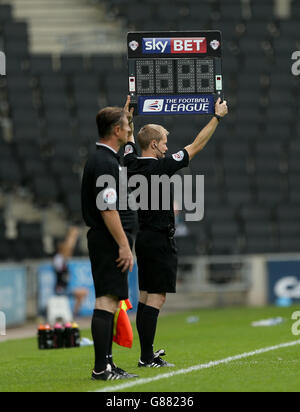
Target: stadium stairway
{"x":63,"y":26}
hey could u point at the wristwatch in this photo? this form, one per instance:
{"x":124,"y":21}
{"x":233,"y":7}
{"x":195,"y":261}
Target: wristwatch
{"x":218,"y":117}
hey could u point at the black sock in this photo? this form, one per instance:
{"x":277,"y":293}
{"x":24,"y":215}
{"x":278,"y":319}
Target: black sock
{"x":101,"y":331}
{"x":109,"y":353}
{"x":147,"y":332}
{"x":139,"y":314}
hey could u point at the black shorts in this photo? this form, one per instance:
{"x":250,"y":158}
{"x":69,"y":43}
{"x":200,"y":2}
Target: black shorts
{"x":157,"y":262}
{"x":108,"y":278}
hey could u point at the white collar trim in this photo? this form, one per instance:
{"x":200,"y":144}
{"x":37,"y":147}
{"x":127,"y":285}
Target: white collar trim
{"x":108,"y":147}
{"x":142,"y":158}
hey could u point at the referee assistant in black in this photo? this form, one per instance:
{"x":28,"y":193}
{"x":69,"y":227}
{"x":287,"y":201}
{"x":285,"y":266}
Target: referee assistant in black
{"x":110,"y":236}
{"x":155,"y":245}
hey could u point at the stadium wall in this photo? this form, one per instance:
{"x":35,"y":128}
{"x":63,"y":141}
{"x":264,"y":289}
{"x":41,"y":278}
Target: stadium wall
{"x":205,"y":282}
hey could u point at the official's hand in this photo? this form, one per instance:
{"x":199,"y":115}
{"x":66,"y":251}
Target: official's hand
{"x":126,"y":107}
{"x":221,"y":109}
{"x":125,"y":260}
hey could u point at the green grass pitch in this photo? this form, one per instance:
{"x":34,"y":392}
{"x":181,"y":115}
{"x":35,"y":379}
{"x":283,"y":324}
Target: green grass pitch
{"x":219,"y":334}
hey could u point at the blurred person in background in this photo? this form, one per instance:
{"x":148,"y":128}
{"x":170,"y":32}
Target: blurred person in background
{"x":64,"y":252}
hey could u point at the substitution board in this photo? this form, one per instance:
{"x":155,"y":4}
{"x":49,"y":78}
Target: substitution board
{"x":175,"y":73}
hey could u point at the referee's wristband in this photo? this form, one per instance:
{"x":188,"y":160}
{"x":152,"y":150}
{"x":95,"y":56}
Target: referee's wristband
{"x":218,"y":117}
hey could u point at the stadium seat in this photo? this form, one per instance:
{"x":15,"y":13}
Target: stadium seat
{"x":29,"y":231}
{"x":15,"y":30}
{"x":251,"y":166}
{"x":295,"y":12}
{"x":262,"y":10}
{"x":84,"y":82}
{"x":88,"y":99}
{"x":33,"y":168}
{"x":16,"y":47}
{"x":288,"y":28}
{"x":288,"y":213}
{"x":220,"y":214}
{"x":236,"y":198}
{"x":235,"y":164}
{"x":269,"y":197}
{"x":231,"y":10}
{"x":259,"y":29}
{"x":260,"y":245}
{"x":19,"y":100}
{"x":25,"y":116}
{"x":250,"y":65}
{"x":253,"y":213}
{"x":5,"y":13}
{"x":41,"y":63}
{"x":187,"y":246}
{"x":73,"y":205}
{"x":72,"y":64}
{"x":289,"y":229}
{"x":289,"y":244}
{"x":18,"y":82}
{"x":31,"y":132}
{"x":15,"y":65}
{"x":45,"y":190}
{"x":6,"y":252}
{"x":10,"y":174}
{"x":6,"y":150}
{"x":69,"y":184}
{"x":103,"y":63}
{"x":224,"y":246}
{"x":58,"y":167}
{"x":252,"y":47}
{"x":263,"y":234}
{"x":52,"y":82}
{"x":138,"y":13}
{"x":175,"y":14}
{"x":56,"y":100}
{"x":278,"y":132}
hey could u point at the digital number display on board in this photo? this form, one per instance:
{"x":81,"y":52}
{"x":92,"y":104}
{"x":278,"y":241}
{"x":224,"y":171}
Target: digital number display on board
{"x":173,"y":73}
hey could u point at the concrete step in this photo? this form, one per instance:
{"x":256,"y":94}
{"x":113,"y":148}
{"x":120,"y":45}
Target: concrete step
{"x":57,"y":26}
{"x":82,"y":46}
{"x":54,"y":4}
{"x":76,"y":14}
{"x":63,"y":29}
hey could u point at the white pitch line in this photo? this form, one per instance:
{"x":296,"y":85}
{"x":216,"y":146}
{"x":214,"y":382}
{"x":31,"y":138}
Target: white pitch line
{"x":212,"y":364}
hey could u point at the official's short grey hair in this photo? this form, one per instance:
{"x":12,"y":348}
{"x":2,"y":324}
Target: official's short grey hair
{"x":151,"y":132}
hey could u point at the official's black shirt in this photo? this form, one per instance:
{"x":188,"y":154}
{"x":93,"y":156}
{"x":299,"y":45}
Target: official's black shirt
{"x":160,"y":219}
{"x":104,"y":162}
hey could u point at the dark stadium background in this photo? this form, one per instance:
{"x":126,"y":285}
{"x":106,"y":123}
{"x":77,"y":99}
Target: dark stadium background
{"x":48,"y":105}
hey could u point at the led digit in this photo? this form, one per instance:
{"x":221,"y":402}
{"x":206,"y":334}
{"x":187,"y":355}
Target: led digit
{"x":205,"y":76}
{"x":186,"y":76}
{"x":164,"y":76}
{"x":145,"y":76}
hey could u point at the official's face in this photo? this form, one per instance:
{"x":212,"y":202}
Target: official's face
{"x":162,"y":147}
{"x":124,"y":131}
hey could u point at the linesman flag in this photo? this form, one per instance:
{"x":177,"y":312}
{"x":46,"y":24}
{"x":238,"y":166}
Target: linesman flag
{"x":123,"y":334}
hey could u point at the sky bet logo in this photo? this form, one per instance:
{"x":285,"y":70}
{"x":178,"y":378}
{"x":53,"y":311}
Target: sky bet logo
{"x":173,"y":46}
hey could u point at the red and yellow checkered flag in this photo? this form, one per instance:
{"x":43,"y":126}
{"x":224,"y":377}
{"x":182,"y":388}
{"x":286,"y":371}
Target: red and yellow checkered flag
{"x":123,"y":334}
